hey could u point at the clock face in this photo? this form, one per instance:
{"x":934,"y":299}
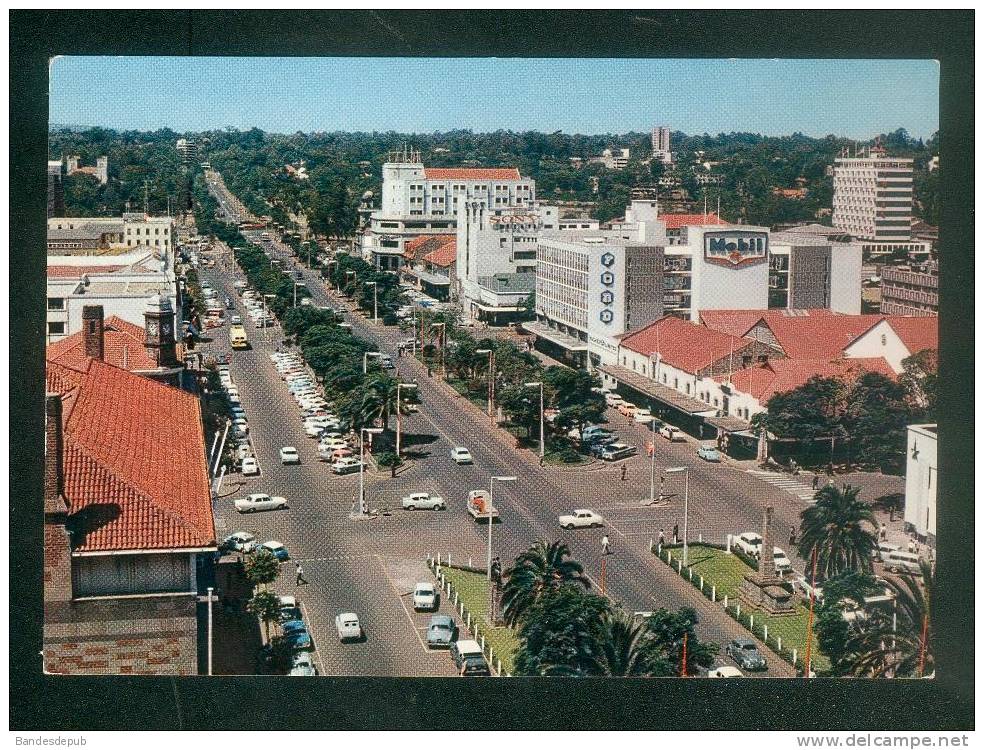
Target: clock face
{"x":152,"y":328}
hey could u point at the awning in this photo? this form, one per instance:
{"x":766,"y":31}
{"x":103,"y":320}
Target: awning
{"x":728,"y":423}
{"x":655,"y":390}
{"x":494,"y":309}
{"x":570,"y":343}
{"x":431,"y":278}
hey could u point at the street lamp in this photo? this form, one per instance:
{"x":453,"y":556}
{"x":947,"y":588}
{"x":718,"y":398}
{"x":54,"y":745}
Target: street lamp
{"x":375,"y":301}
{"x":363,"y":510}
{"x":399,"y":417}
{"x":443,"y":328}
{"x":491,"y":384}
{"x":488,"y":560}
{"x":365,"y":360}
{"x":652,"y":463}
{"x":686,"y":499}
{"x":539,"y":384}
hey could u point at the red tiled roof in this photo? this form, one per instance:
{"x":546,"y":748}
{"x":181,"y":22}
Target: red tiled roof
{"x":418,"y":247}
{"x":508,"y":173}
{"x":782,"y":375}
{"x":445,"y":255}
{"x":675,"y":221}
{"x":123,"y":346}
{"x":917,"y":333}
{"x":682,"y":344}
{"x":77,"y":272}
{"x":740,"y":322}
{"x":135,"y":474}
{"x":817,"y":336}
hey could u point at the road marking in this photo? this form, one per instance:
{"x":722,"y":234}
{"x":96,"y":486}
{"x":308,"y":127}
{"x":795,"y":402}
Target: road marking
{"x":399,"y":598}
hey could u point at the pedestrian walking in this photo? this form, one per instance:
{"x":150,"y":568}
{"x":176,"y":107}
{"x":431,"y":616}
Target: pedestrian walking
{"x":624,"y":470}
{"x":816,"y":480}
{"x":605,"y":545}
{"x":884,"y":532}
{"x":300,"y":575}
{"x":912,"y":544}
{"x":792,"y":536}
{"x":662,"y":538}
{"x":676,"y":533}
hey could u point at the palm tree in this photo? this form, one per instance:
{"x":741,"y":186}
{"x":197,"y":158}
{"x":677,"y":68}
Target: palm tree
{"x":841,"y":529}
{"x":898,"y":643}
{"x":626,"y":648}
{"x":540,"y":569}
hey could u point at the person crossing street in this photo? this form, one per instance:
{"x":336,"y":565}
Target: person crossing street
{"x":606,"y":546}
{"x":300,"y":575}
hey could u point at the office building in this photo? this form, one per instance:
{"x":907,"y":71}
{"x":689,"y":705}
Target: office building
{"x":84,"y":235}
{"x":612,"y":158}
{"x":100,"y":171}
{"x":56,"y":190}
{"x":922,"y":475}
{"x":188,"y":150}
{"x":661,"y":144}
{"x":910,"y":290}
{"x":418,"y":200}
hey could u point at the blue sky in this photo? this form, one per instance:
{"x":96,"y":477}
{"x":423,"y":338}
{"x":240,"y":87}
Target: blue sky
{"x":852,"y":98}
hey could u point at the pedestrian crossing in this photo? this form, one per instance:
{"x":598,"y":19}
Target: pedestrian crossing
{"x":799,"y":488}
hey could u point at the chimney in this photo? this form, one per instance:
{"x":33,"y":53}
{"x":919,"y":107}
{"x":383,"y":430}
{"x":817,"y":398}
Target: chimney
{"x":54,"y":500}
{"x":92,"y":330}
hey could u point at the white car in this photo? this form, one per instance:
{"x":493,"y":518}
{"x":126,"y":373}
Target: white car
{"x":750,"y":543}
{"x":243,"y":452}
{"x":643,"y":415}
{"x":672,"y":434}
{"x":314,"y":429}
{"x":289,"y":455}
{"x":259,"y":501}
{"x":348,"y":626}
{"x":461,"y":455}
{"x":239,"y":541}
{"x":425,"y":500}
{"x":613,"y":399}
{"x":236,"y":320}
{"x":346,"y":465}
{"x":781,"y":561}
{"x":424,"y":597}
{"x":725,"y":671}
{"x":581,"y":518}
{"x":250,"y":467}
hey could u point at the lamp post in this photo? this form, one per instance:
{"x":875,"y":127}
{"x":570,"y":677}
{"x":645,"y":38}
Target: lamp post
{"x":443,"y":336}
{"x":365,"y":360}
{"x":399,"y":416}
{"x":347,"y":274}
{"x":488,"y":559}
{"x":375,"y":301}
{"x":491,"y":384}
{"x":652,"y":464}
{"x":363,"y":510}
{"x":686,"y":499}
{"x":542,"y":415}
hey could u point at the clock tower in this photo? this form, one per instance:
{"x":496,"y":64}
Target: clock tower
{"x":159,"y":327}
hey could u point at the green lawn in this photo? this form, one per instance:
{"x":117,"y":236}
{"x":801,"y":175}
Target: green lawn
{"x":473,"y":589}
{"x":726,"y":572}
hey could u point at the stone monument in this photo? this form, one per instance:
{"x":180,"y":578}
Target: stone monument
{"x":763,"y":589}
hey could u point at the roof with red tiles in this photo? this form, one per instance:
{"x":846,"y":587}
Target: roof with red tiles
{"x":439,"y":173}
{"x":917,"y":333}
{"x":134,"y":464}
{"x":682,"y":344}
{"x":675,"y":221}
{"x":77,"y":272}
{"x":123,"y":346}
{"x":782,"y":375}
{"x":817,"y":336}
{"x":740,"y":322}
{"x":445,"y":255}
{"x":418,"y":247}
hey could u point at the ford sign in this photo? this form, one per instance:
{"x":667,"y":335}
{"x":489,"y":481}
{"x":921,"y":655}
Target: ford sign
{"x":735,"y":248}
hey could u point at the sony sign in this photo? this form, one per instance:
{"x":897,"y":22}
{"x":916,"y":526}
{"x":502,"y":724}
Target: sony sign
{"x":735,"y":248}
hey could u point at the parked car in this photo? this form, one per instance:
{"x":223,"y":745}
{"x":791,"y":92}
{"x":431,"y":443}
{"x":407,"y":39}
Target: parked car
{"x":709,"y":453}
{"x":302,"y":665}
{"x":613,"y":451}
{"x":239,"y":541}
{"x":750,"y":543}
{"x":725,"y":671}
{"x":612,"y":399}
{"x":297,"y":635}
{"x":642,"y":415}
{"x":346,"y":465}
{"x":348,"y":626}
{"x":242,"y":452}
{"x":626,"y":409}
{"x":236,"y":320}
{"x":781,"y":561}
{"x":581,"y":518}
{"x":672,"y":434}
{"x":462,"y":650}
{"x":746,"y":654}
{"x":289,"y":455}
{"x":250,"y":466}
{"x":802,"y":585}
{"x":475,"y":666}
{"x":289,"y":609}
{"x":276,"y":549}
{"x":424,"y":597}
{"x":423,"y":500}
{"x":461,"y":455}
{"x":259,"y":501}
{"x":441,"y":631}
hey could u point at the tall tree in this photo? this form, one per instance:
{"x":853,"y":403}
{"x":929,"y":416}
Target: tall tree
{"x":626,"y":648}
{"x":560,"y":632}
{"x":542,"y":568}
{"x":841,"y":528}
{"x":876,"y":418}
{"x":668,"y":630}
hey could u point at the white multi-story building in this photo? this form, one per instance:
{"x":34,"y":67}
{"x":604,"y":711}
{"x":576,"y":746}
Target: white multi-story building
{"x":661,"y":144}
{"x":188,"y":150}
{"x":921,"y":479}
{"x":132,"y":230}
{"x":612,"y":158}
{"x":418,"y":200}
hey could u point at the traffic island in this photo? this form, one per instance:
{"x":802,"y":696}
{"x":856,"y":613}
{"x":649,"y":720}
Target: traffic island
{"x":718,"y":574}
{"x":467,"y":590}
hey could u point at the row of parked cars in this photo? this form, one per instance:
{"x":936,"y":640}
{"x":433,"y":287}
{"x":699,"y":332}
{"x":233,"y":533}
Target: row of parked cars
{"x":214,"y":307}
{"x":256,"y":311}
{"x":442,"y":632}
{"x":239,"y":427}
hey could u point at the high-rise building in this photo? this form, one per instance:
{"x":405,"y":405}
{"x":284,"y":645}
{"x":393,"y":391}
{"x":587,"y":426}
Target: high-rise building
{"x":873,"y":196}
{"x":910,"y":290}
{"x":188,"y":150}
{"x":102,"y":169}
{"x":661,"y":144}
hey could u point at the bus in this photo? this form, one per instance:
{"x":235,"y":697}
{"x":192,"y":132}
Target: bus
{"x":237,"y":337}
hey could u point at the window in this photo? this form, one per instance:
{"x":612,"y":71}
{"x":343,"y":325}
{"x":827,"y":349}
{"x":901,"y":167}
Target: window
{"x":688,"y":389}
{"x":664,"y":377}
{"x":884,"y":339}
{"x":56,"y":303}
{"x":56,"y":327}
{"x":676,"y":382}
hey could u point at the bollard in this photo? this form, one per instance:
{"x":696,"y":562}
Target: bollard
{"x":461,"y":605}
{"x":702,"y":584}
{"x":498,"y":663}
{"x":727,"y":544}
{"x":765,"y":628}
{"x":690,"y":573}
{"x":779,"y":642}
{"x":700,"y":538}
{"x":438,"y":558}
{"x":725,"y":602}
{"x":449,"y":559}
{"x":751,"y":623}
{"x":738,"y":610}
{"x":713,"y":593}
{"x":794,"y":657}
{"x":456,"y":598}
{"x":469,"y":562}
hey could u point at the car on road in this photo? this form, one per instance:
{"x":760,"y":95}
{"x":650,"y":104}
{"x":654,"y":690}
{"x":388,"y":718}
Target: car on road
{"x":613,"y":399}
{"x":725,"y":671}
{"x":750,"y":543}
{"x":289,"y":609}
{"x":239,"y":541}
{"x":348,"y":626}
{"x":642,"y":415}
{"x":297,"y":635}
{"x":746,"y":654}
{"x":709,"y":453}
{"x":626,"y":409}
{"x":259,"y":501}
{"x":461,"y":455}
{"x":581,"y":518}
{"x":424,"y":597}
{"x":672,"y":434}
{"x":781,"y":561}
{"x":302,"y":665}
{"x":441,"y":631}
{"x":250,"y":467}
{"x":613,"y":451}
{"x":346,"y":465}
{"x":289,"y":455}
{"x":276,"y":549}
{"x":423,"y":500}
{"x":236,"y":320}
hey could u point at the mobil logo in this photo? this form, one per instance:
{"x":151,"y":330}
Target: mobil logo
{"x":735,"y":248}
